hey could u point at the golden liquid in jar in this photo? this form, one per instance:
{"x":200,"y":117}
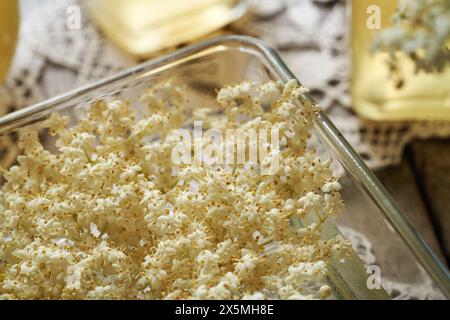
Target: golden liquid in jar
{"x":9,"y":26}
{"x":375,"y":96}
{"x":142,"y":27}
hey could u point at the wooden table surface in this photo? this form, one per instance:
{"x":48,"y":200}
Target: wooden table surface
{"x":421,"y":187}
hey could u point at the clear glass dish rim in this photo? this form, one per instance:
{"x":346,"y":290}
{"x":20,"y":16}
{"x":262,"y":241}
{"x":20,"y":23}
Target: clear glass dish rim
{"x":348,"y":157}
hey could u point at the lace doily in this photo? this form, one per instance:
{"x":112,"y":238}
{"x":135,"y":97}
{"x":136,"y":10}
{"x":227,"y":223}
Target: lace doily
{"x":310,"y":35}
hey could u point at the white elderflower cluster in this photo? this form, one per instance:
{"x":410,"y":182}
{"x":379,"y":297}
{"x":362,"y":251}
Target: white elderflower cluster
{"x":420,"y":30}
{"x":106,"y":217}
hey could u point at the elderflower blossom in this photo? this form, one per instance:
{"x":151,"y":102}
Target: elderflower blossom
{"x":106,"y":218}
{"x":421,"y":31}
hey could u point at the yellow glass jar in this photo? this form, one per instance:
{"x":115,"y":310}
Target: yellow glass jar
{"x":142,"y":27}
{"x":375,"y":96}
{"x":9,"y":29}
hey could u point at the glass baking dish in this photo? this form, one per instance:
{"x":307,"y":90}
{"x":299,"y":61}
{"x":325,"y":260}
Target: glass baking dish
{"x":208,"y":66}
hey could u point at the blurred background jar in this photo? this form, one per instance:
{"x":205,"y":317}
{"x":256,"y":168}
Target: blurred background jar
{"x":142,"y":27}
{"x":375,"y":95}
{"x":9,"y":29}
